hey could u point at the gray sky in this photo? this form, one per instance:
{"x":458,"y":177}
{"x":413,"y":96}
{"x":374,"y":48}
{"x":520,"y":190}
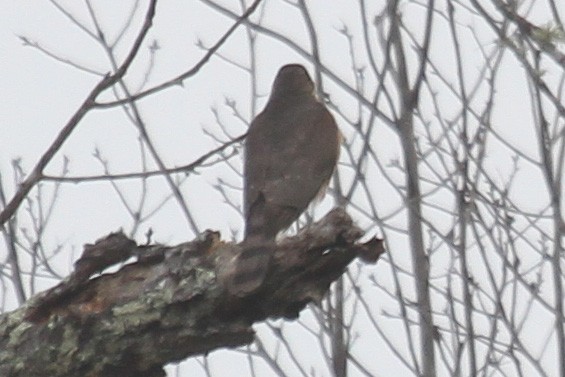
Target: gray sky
{"x":39,"y":94}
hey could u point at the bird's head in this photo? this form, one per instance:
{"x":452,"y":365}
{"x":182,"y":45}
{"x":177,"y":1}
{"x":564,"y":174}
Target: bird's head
{"x":293,"y":79}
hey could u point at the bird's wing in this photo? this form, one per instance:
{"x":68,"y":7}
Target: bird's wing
{"x":257,"y":158}
{"x":304,"y":157}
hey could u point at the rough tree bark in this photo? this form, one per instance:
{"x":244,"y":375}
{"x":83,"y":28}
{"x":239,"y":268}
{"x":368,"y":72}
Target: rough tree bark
{"x":171,"y":303}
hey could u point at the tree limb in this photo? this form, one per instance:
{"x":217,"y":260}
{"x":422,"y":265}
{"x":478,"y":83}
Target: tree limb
{"x":170,"y":303}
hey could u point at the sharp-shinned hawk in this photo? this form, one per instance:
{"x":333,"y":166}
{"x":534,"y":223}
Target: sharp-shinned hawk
{"x":291,"y":151}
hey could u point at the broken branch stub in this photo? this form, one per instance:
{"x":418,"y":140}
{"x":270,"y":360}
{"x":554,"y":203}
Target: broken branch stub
{"x":170,"y":303}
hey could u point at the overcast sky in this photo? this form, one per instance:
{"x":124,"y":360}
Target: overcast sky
{"x":38,"y":95}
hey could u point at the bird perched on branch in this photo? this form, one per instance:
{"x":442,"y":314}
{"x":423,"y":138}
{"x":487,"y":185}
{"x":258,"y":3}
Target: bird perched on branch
{"x":291,"y":151}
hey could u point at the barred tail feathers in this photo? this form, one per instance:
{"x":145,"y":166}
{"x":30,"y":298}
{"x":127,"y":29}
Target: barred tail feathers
{"x":251,"y":267}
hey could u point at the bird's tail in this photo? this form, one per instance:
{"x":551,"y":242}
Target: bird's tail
{"x":251,"y":266}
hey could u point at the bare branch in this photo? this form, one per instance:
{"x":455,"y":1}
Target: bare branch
{"x":170,"y":304}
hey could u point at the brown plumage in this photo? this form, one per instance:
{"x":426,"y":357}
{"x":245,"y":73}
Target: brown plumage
{"x":291,"y":151}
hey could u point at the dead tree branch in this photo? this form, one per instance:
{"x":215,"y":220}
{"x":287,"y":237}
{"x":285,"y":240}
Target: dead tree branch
{"x":171,"y":303}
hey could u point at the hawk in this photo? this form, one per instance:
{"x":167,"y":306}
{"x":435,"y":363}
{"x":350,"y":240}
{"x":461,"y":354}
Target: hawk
{"x":291,"y":151}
